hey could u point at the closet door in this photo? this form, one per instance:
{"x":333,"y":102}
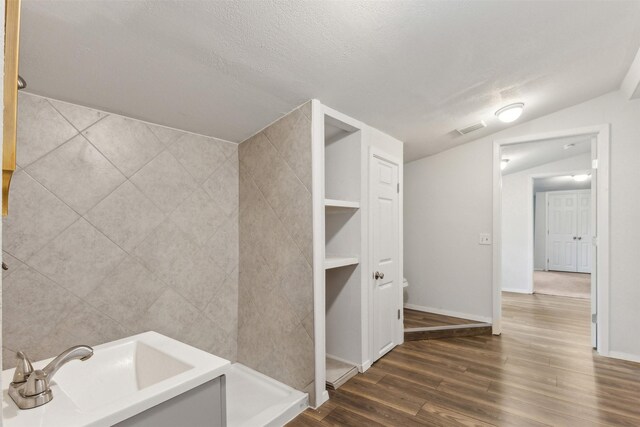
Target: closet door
{"x":385,"y":244}
{"x":583,"y":256}
{"x":562,"y":239}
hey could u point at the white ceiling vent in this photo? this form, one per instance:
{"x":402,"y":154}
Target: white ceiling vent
{"x":468,"y":129}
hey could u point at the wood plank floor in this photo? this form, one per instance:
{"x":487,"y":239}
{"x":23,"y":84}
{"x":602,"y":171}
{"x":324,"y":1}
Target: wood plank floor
{"x":541,"y":371}
{"x":421,"y":319}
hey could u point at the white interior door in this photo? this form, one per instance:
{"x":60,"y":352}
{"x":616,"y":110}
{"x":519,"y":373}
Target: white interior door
{"x":561,"y":238}
{"x":583,"y":234}
{"x":385,"y":248}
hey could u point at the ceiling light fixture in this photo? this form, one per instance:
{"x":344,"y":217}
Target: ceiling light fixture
{"x":581,"y":177}
{"x":503,"y":163}
{"x":510,"y":113}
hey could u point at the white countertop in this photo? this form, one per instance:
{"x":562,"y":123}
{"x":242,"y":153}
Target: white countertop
{"x":122,"y":379}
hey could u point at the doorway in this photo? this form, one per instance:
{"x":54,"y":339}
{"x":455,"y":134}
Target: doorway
{"x":596,"y":238}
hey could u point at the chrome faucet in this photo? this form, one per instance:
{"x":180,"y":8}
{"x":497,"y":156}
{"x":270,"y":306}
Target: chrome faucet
{"x":31,"y":388}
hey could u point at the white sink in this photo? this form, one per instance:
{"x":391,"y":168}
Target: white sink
{"x":122,"y":379}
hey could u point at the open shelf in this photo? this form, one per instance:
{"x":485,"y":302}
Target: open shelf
{"x":339,"y":261}
{"x":339,"y":206}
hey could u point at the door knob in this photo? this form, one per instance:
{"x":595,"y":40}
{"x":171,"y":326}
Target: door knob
{"x":574,"y":237}
{"x":579,"y":238}
{"x":377,"y":275}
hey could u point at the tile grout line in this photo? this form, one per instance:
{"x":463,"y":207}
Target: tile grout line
{"x":69,"y":121}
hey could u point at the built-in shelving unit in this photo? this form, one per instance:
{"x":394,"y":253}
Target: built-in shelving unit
{"x":343,"y":242}
{"x":338,"y":261}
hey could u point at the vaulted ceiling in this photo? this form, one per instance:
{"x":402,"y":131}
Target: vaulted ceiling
{"x":414,"y":69}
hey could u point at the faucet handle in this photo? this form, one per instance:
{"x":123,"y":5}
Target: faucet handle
{"x":24,"y":368}
{"x":37,"y":383}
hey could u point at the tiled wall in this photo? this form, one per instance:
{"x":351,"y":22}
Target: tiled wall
{"x":116,"y":227}
{"x":275,"y":334}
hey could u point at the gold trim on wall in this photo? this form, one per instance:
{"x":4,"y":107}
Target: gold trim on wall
{"x":10,"y":127}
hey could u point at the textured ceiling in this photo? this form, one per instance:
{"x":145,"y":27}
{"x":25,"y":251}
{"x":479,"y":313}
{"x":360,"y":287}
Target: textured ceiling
{"x":416,"y":70}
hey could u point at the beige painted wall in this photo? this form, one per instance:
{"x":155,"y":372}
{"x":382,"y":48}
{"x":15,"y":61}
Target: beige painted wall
{"x":118,"y":227}
{"x":275,"y":313}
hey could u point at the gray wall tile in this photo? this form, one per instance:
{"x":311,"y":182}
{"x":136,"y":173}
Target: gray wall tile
{"x":80,"y":117}
{"x":275,"y":286}
{"x":171,"y":315}
{"x":222,"y":186}
{"x":77,"y":173}
{"x":83,"y":325}
{"x":199,"y":155}
{"x":126,"y":216}
{"x":125,"y":267}
{"x":165,"y":182}
{"x":127,"y":143}
{"x":166,"y":135}
{"x":40,"y":128}
{"x":78,"y":259}
{"x":35,"y":218}
{"x":286,"y":134}
{"x":199,"y":216}
{"x":223,"y":246}
{"x":33,"y":306}
{"x":12,"y":263}
{"x":127,"y":292}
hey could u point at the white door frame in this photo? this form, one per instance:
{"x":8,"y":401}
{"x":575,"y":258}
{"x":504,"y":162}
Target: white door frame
{"x":319,"y":296}
{"x":531,"y":222}
{"x":375,"y":152}
{"x":601,"y":189}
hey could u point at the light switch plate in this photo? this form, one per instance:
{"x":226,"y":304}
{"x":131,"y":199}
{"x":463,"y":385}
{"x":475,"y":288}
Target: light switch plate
{"x":485,"y":239}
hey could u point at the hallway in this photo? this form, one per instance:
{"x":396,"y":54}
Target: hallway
{"x":541,"y":371}
{"x":574,"y":285}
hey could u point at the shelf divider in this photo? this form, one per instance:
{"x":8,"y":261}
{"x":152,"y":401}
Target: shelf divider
{"x":340,"y":206}
{"x":339,"y":261}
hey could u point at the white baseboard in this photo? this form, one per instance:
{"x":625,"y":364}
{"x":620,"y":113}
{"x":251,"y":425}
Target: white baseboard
{"x":624,"y":356}
{"x":475,"y":317}
{"x":517,"y":291}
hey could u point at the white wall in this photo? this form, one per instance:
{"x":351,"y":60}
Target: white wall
{"x":539,"y":231}
{"x":449,"y":201}
{"x":517,"y":240}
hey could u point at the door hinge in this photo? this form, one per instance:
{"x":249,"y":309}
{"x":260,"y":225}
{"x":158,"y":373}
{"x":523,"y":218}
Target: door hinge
{"x":398,"y":314}
{"x":398,"y":188}
{"x":594,"y":318}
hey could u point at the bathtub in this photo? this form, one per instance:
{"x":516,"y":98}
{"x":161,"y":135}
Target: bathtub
{"x":255,"y":400}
